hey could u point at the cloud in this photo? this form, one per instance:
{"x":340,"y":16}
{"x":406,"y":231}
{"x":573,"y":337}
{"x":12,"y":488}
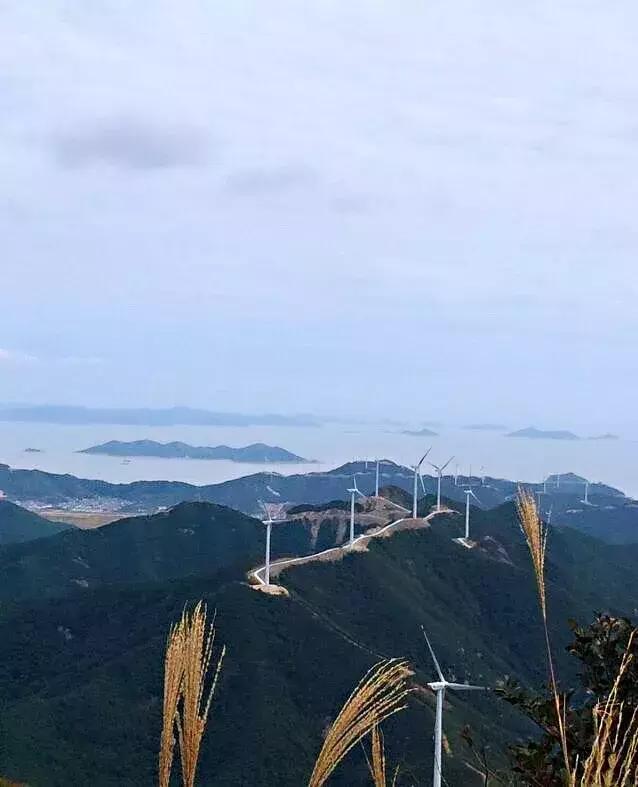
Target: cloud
{"x":271,"y":180}
{"x":129,"y":143}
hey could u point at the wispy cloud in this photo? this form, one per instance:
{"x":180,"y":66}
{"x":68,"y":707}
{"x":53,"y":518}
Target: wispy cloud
{"x":130,"y":143}
{"x":271,"y":180}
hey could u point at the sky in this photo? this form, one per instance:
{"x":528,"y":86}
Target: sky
{"x":419,"y":210}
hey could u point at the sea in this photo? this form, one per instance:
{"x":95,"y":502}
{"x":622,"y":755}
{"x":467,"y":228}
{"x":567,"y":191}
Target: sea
{"x":487,"y":453}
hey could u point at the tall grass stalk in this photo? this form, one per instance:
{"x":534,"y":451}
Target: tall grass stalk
{"x":380,"y":694}
{"x":189,"y":651}
{"x":377,"y":763}
{"x":535,"y":532}
{"x":173,"y":676}
{"x":613,"y":760}
{"x":197,"y":654}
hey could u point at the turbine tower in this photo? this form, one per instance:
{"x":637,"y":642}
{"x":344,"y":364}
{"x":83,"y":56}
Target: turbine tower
{"x":417,"y":473}
{"x":439,"y":471}
{"x":353,"y":491}
{"x":586,"y":500}
{"x":268,"y":524}
{"x":439,"y":687}
{"x":376,"y":481}
{"x":469,"y":492}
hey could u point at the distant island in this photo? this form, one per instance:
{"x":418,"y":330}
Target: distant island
{"x":257,"y":452}
{"x":143,"y":416}
{"x":32,"y":451}
{"x":420,"y":432}
{"x":486,"y":427}
{"x":539,"y":434}
{"x":604,"y":437}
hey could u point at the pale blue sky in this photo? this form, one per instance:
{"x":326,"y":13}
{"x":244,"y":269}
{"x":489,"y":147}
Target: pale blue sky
{"x":419,"y":209}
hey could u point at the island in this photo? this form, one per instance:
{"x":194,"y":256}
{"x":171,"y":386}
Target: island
{"x":32,"y":451}
{"x":539,"y":434}
{"x":607,"y":436}
{"x":420,"y":432}
{"x":256,"y":452}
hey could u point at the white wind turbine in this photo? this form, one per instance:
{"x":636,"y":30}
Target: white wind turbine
{"x":376,"y":480}
{"x":469,"y":492}
{"x":417,"y":473}
{"x":268,"y":524}
{"x":586,"y":498}
{"x":439,"y":687}
{"x":439,"y":471}
{"x":353,"y":491}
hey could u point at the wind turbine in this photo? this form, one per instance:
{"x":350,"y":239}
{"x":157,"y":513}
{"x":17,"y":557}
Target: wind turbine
{"x":439,"y":471}
{"x":268,"y":524}
{"x":417,"y":473}
{"x":353,"y":491}
{"x":439,"y":687}
{"x":456,"y":474}
{"x":469,"y":492}
{"x":549,"y":515}
{"x":586,"y":500}
{"x":376,"y":481}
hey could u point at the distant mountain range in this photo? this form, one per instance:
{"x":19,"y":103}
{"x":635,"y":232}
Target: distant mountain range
{"x":256,"y":452}
{"x":142,"y":416}
{"x":609,"y":515}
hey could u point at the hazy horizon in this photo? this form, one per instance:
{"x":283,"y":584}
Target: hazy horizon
{"x":418,"y":212}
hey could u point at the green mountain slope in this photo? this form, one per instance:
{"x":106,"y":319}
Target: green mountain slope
{"x":80,"y":676}
{"x":191,"y":539}
{"x":18,"y":525}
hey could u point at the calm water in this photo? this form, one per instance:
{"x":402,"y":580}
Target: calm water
{"x":612,"y":462}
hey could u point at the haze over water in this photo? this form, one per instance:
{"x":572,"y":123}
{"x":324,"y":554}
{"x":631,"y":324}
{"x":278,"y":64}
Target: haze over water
{"x":612,"y":462}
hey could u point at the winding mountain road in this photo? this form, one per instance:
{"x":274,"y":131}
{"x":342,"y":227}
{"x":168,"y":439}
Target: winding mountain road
{"x":340,"y":551}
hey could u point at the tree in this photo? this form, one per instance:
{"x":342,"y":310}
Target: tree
{"x":606,"y":649}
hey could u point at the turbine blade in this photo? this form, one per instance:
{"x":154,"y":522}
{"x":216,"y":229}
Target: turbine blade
{"x":475,"y":497}
{"x":436,"y":663}
{"x":447,"y":463}
{"x":422,"y":484}
{"x":465,"y":687}
{"x":424,"y":456}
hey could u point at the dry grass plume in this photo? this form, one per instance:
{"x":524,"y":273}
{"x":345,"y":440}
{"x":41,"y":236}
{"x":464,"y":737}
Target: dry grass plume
{"x":187,"y":702}
{"x":535,"y":532}
{"x":380,"y":694}
{"x":613,"y":760}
